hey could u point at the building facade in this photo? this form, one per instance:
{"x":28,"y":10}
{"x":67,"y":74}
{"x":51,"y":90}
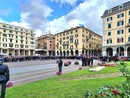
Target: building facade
{"x":16,"y":40}
{"x":78,"y":40}
{"x":46,"y":45}
{"x":116,"y":31}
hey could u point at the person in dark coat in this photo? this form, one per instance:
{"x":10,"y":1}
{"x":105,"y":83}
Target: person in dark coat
{"x":83,"y":60}
{"x":4,"y":78}
{"x":60,"y":64}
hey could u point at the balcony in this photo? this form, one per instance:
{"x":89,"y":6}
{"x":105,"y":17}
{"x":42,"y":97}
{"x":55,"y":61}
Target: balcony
{"x":65,"y":44}
{"x":76,"y":43}
{"x":128,"y":43}
{"x":128,"y":25}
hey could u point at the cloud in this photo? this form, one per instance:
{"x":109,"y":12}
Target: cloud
{"x":36,"y":13}
{"x":71,"y":2}
{"x":5,"y":12}
{"x":88,"y":13}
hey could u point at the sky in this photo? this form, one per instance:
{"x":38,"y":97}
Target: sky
{"x":44,"y":16}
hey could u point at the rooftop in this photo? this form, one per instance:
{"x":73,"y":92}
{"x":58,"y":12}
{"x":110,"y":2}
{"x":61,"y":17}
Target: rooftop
{"x":117,"y":9}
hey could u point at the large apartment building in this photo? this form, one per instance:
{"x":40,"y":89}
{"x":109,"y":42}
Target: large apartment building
{"x":78,"y":40}
{"x":116,"y":30}
{"x":15,"y":40}
{"x":45,"y":45}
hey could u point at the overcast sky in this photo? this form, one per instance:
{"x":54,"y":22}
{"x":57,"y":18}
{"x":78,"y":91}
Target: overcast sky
{"x":55,"y":15}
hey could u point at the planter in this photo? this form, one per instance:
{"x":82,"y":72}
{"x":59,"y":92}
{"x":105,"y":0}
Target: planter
{"x":9,"y":84}
{"x":58,"y":73}
{"x":80,"y":68}
{"x":66,"y":64}
{"x":76,"y":63}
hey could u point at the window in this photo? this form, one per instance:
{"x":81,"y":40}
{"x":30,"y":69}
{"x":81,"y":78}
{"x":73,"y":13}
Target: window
{"x":109,"y":25}
{"x":76,"y":31}
{"x":4,"y":45}
{"x":16,"y":46}
{"x":120,"y":23}
{"x":129,"y":30}
{"x":16,"y":41}
{"x":120,"y":31}
{"x":83,"y":40}
{"x":109,"y":33}
{"x":110,"y":11}
{"x":120,"y":7}
{"x":4,"y":35}
{"x":109,"y":18}
{"x":4,"y":30}
{"x":128,"y":39}
{"x":76,"y":35}
{"x":120,"y":40}
{"x":11,"y":45}
{"x":26,"y":46}
{"x":4,"y":26}
{"x":120,"y":15}
{"x":16,"y":28}
{"x":4,"y":40}
{"x":11,"y":40}
{"x":82,"y":35}
{"x":109,"y":41}
{"x":129,"y":21}
{"x":67,"y":37}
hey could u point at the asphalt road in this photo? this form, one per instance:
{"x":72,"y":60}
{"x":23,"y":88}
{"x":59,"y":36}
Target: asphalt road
{"x":30,"y":71}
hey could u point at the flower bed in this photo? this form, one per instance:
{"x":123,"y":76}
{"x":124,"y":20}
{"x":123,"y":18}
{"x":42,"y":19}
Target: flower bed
{"x":118,"y":90}
{"x":97,"y":68}
{"x":108,"y":65}
{"x":76,"y":63}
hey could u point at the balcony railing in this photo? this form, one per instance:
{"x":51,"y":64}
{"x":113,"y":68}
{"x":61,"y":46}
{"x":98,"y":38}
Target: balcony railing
{"x":128,"y":25}
{"x":128,"y":43}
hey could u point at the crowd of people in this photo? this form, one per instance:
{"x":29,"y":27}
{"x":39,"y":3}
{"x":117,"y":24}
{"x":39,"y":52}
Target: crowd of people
{"x":87,"y":60}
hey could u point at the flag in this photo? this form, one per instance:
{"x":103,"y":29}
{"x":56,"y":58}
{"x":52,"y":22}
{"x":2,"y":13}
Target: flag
{"x":119,"y":40}
{"x":81,"y":24}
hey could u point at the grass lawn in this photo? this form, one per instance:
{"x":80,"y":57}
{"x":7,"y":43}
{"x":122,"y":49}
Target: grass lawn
{"x":57,"y":87}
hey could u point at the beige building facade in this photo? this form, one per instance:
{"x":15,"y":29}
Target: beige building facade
{"x":77,"y":40}
{"x":116,"y":31}
{"x":45,"y":45}
{"x":15,"y":40}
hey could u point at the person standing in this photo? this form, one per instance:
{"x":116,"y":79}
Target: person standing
{"x":60,"y":64}
{"x":4,"y":78}
{"x":83,"y":60}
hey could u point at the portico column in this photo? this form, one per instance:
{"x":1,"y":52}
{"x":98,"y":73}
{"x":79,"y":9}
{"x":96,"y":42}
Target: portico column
{"x":33,"y":52}
{"x":19,"y":52}
{"x":47,"y":53}
{"x":29,"y":52}
{"x":1,"y":51}
{"x":125,"y":53}
{"x":104,"y":53}
{"x":114,"y":52}
{"x":7,"y":51}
